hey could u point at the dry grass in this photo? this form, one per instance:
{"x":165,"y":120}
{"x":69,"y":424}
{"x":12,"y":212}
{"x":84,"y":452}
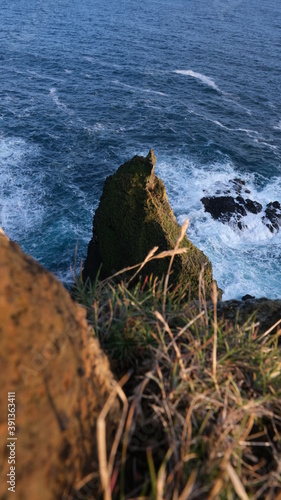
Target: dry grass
{"x":202,"y":404}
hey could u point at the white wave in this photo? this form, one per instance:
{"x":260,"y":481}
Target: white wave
{"x":149,"y":91}
{"x":210,"y":83}
{"x":217,"y":122}
{"x":252,"y":134}
{"x":278,"y":126}
{"x":243,"y":261}
{"x":41,"y":76}
{"x":98,"y":127}
{"x":199,"y":76}
{"x":102,"y":129}
{"x":247,"y":131}
{"x":267,"y":144}
{"x":235,"y":102}
{"x":54,"y":95}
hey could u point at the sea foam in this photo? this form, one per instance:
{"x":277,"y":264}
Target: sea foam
{"x":54,"y":95}
{"x":244,"y":261}
{"x":199,"y":76}
{"x":20,"y":190}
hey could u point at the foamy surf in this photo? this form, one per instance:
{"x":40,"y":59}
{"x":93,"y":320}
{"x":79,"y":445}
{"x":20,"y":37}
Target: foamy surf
{"x":198,"y":76}
{"x":20,"y":207}
{"x":244,"y":261}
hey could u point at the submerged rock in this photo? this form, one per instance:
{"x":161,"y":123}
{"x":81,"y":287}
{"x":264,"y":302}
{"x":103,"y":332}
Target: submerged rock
{"x":61,"y":380}
{"x":133,"y":216}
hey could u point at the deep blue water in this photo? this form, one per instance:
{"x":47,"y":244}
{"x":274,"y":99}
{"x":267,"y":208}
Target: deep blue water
{"x":85,"y":85}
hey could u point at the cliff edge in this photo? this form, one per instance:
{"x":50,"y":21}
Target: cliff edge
{"x":54,"y":382}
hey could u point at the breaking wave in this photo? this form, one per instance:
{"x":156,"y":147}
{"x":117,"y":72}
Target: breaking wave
{"x":199,"y":76}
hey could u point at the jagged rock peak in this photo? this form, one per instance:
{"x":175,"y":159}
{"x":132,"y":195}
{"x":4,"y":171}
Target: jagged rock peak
{"x":151,"y":158}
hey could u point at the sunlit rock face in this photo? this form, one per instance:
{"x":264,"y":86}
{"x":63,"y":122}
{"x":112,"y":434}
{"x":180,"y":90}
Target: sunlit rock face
{"x":60,"y":377}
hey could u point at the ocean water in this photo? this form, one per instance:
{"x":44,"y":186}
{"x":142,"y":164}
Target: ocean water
{"x":85,"y":85}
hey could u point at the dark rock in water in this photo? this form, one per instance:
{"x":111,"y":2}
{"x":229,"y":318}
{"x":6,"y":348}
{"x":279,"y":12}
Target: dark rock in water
{"x":247,"y":297}
{"x":134,"y":216}
{"x":253,"y":206}
{"x":224,"y":208}
{"x":232,"y":209}
{"x":227,"y":208}
{"x":272,"y":218}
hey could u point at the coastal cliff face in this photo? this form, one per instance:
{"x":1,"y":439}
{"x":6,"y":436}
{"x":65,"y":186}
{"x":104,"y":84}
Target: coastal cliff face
{"x":61,"y":380}
{"x":134,"y":216}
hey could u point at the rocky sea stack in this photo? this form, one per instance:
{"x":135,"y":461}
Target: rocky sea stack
{"x":134,"y":216}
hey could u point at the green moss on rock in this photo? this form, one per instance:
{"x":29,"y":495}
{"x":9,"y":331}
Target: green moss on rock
{"x":133,"y":216}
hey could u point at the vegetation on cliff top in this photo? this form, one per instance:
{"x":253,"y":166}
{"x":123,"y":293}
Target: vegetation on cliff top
{"x":202,"y":395}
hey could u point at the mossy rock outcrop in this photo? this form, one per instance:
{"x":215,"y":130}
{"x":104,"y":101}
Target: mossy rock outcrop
{"x":134,"y":216}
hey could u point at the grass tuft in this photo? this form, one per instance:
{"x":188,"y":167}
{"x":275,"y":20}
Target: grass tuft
{"x":204,"y":395}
